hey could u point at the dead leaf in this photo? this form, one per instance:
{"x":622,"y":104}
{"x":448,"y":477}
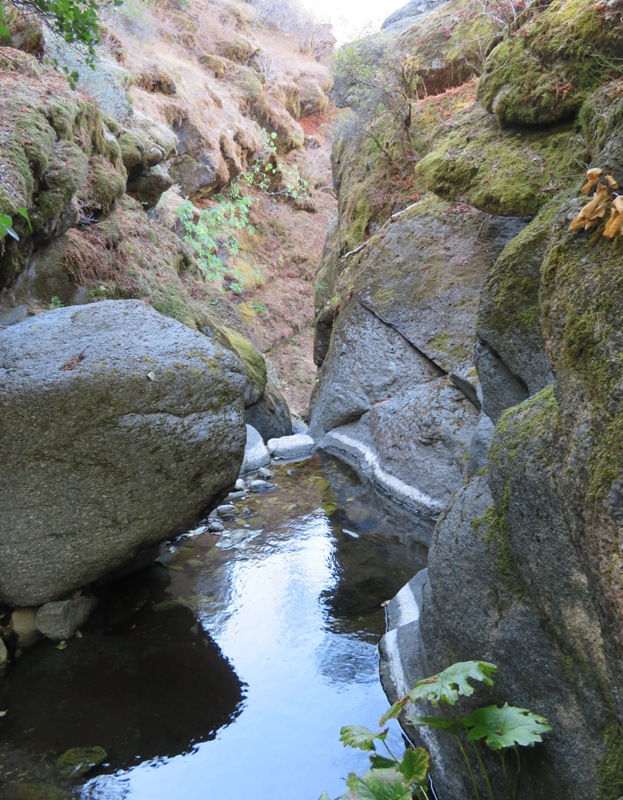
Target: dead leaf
{"x":72,"y":363}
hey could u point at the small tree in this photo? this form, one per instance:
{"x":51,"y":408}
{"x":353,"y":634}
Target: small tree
{"x":379,"y":83}
{"x":75,"y":21}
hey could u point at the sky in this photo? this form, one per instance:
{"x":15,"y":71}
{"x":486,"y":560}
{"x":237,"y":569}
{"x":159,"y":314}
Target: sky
{"x":350,"y":17}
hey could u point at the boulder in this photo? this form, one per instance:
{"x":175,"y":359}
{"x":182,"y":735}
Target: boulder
{"x":396,"y":392}
{"x":119,"y":427}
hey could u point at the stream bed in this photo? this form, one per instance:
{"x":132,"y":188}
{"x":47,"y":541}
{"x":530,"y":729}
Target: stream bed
{"x":227,"y":669}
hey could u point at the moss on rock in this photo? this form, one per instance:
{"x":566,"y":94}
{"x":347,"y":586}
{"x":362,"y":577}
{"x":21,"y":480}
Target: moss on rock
{"x":501,"y":172}
{"x":252,"y":360}
{"x":543,"y":73}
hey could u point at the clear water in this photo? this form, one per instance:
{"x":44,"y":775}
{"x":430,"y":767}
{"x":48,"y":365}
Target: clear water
{"x":228,"y":671}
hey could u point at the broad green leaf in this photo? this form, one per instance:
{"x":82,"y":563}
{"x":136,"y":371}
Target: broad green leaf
{"x":378,"y":784}
{"x":324,"y":796}
{"x":359,"y":737}
{"x":446,"y":686}
{"x":454,"y":726}
{"x":452,"y":682}
{"x":8,"y":229}
{"x":414,"y":766}
{"x":506,"y":726}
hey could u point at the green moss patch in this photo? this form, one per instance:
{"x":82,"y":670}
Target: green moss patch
{"x":610,"y":775}
{"x":449,"y":45}
{"x":252,"y":360}
{"x":501,"y":172}
{"x":543,"y":72}
{"x":527,"y":422}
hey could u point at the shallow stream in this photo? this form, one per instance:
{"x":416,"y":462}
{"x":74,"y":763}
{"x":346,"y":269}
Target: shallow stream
{"x":227,"y":670}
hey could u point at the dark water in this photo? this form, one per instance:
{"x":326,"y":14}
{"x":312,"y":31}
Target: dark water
{"x":227,"y":670}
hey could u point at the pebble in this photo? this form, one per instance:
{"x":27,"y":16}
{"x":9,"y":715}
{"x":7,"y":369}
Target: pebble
{"x":216,"y":527}
{"x":350,"y":533}
{"x":267,"y":474}
{"x":235,"y":496}
{"x":227,"y":510}
{"x":197,"y":531}
{"x":245,"y":513}
{"x":240,"y":486}
{"x":260,"y":486}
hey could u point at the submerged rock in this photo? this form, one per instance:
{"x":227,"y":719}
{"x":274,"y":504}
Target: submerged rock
{"x":78,"y":761}
{"x":119,"y":427}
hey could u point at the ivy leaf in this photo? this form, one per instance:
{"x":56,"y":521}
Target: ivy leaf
{"x":414,"y":766}
{"x":506,"y":726}
{"x":378,"y":784}
{"x":359,"y":737}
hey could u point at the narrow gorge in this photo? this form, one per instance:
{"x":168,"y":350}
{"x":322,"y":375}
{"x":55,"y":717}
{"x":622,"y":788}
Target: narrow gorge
{"x":306,"y":349}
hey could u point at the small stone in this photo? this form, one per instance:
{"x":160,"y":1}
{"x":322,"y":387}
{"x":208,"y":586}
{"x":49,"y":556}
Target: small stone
{"x":267,"y":474}
{"x":197,"y":531}
{"x":61,"y":619}
{"x":239,"y":485}
{"x":227,"y":510}
{"x":24,"y":627}
{"x":216,"y":527}
{"x":245,"y":513}
{"x":77,"y":761}
{"x":235,"y":496}
{"x":260,"y":486}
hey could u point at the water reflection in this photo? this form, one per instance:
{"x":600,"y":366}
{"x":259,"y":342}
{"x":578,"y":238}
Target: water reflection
{"x":139,"y":684}
{"x":293,"y":602}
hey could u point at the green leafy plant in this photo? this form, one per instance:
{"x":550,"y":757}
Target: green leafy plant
{"x":213,"y":233}
{"x":75,"y":21}
{"x":498,"y":728}
{"x":271,"y":176}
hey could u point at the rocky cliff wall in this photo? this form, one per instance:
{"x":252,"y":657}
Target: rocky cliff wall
{"x":525,"y":564}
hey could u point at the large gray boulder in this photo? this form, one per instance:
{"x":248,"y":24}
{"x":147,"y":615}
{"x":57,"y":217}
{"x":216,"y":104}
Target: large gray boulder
{"x":118,"y":428}
{"x":396,"y":394}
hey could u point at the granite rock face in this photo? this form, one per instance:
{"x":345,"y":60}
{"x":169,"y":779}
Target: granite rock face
{"x":396,"y":393}
{"x":119,"y":427}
